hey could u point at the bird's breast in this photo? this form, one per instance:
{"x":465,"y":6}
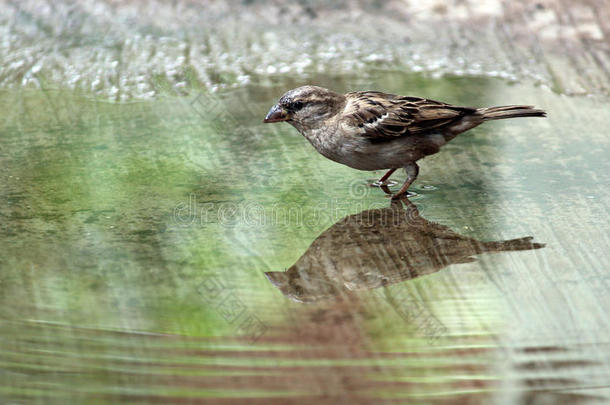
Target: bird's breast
{"x":360,"y":153}
{"x":326,"y":141}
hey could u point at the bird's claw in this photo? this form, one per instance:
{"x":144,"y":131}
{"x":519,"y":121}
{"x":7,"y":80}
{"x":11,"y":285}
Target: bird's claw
{"x":399,"y":196}
{"x":385,"y":183}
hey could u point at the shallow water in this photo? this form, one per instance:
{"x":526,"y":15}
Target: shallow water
{"x":135,"y":239}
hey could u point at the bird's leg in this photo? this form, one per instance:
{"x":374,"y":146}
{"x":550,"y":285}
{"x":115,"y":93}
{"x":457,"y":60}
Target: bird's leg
{"x":412,"y":170}
{"x":382,"y":181}
{"x":386,"y":189}
{"x":386,"y":176}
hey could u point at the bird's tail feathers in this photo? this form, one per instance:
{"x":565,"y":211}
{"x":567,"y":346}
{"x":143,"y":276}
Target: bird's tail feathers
{"x":513,"y":244}
{"x":510,"y":111}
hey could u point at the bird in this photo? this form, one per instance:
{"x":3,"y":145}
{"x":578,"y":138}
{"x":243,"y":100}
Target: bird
{"x":372,"y":130}
{"x":380,"y":247}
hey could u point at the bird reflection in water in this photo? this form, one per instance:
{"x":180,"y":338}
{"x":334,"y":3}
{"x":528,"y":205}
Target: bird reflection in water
{"x":379,"y":247}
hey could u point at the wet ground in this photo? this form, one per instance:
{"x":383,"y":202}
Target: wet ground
{"x":131,"y":49}
{"x":144,"y":246}
{"x":159,"y":244}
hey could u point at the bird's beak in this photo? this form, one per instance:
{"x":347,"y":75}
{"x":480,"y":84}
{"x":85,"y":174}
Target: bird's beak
{"x":276,"y":114}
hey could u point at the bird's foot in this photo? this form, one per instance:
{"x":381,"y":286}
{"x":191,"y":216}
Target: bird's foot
{"x":400,"y":194}
{"x":385,"y":180}
{"x":384,"y":183}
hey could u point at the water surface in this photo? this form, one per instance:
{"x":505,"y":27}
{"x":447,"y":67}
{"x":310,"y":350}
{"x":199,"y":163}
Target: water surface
{"x":135,"y":239}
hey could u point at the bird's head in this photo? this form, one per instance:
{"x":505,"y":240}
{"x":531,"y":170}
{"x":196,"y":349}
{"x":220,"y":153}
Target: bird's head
{"x":305,"y":284}
{"x":306,"y":107}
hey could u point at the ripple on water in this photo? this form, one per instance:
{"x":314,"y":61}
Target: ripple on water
{"x":377,"y":183}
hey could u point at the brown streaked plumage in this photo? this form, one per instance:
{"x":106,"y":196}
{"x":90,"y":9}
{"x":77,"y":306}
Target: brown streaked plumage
{"x":380,"y":247}
{"x":370,"y":130}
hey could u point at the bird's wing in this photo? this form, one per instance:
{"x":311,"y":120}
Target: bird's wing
{"x":377,"y":115}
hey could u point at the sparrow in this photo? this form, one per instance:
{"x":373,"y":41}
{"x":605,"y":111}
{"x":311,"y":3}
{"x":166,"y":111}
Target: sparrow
{"x":380,"y":247}
{"x":371,"y":130}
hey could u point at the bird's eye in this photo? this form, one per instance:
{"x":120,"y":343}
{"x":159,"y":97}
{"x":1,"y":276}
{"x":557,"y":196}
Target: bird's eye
{"x":295,"y":105}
